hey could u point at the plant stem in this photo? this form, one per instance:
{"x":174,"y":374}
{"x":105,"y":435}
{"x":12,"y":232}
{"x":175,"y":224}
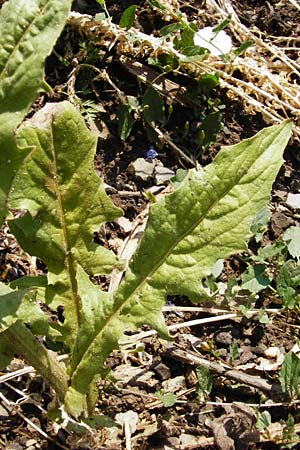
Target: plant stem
{"x":44,"y":362}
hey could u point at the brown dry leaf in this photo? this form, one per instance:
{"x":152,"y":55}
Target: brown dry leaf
{"x":235,"y":430}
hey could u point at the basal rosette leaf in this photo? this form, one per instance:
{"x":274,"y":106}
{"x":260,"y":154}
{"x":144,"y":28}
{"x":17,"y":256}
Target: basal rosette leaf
{"x":65,"y":203}
{"x":21,"y":305}
{"x":28,"y":31}
{"x":206,"y":219}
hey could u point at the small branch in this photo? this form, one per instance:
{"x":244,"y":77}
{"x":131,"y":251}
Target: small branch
{"x":13,"y":407}
{"x":192,"y":358}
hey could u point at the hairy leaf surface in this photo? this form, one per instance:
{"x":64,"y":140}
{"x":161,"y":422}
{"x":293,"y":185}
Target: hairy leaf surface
{"x":206,"y":219}
{"x":65,"y":203}
{"x":28,"y":31}
{"x":15,"y":305}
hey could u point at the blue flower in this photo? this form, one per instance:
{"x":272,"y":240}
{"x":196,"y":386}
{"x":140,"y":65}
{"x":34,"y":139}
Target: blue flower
{"x":151,"y":154}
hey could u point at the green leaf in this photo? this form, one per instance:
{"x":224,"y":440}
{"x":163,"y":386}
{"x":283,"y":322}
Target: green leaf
{"x":65,"y":203}
{"x":186,"y":40}
{"x":289,"y":375}
{"x":292,"y":237}
{"x":99,"y":421}
{"x":6,"y":351}
{"x":28,"y":31}
{"x":263,"y":317}
{"x":264,"y":419}
{"x":153,"y":107}
{"x":210,"y":127}
{"x":128,"y":17}
{"x":260,"y":223}
{"x":222,"y":25}
{"x":125,"y":121}
{"x":15,"y":305}
{"x":207,"y":218}
{"x":268,"y":252}
{"x":205,"y":382}
{"x":165,"y":61}
{"x":234,"y":350}
{"x":208,"y":82}
{"x":171,"y":28}
{"x":157,"y":4}
{"x":169,"y":399}
{"x":254,"y":279}
{"x":39,"y":283}
{"x":242,"y":48}
{"x":288,"y":284}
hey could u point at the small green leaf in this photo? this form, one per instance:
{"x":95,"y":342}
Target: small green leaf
{"x":263,"y":317}
{"x":222,"y":25}
{"x":288,"y":284}
{"x":264,"y":419}
{"x":179,"y":177}
{"x":205,"y":382}
{"x":186,"y":40}
{"x":210,"y":127}
{"x":99,"y":421}
{"x":234,"y":350}
{"x":208,"y":82}
{"x":125,"y":121}
{"x":242,"y":48}
{"x":165,"y":61}
{"x":128,"y":17}
{"x":157,"y":4}
{"x":289,"y":375}
{"x":260,"y":224}
{"x":153,"y":107}
{"x":168,"y":399}
{"x":169,"y":29}
{"x":6,"y":351}
{"x":246,"y":311}
{"x":269,"y":252}
{"x":292,"y":238}
{"x":290,"y":437}
{"x":255,"y":279}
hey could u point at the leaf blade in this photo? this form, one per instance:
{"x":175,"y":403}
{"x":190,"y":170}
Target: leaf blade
{"x":65,"y":203}
{"x":28,"y":31}
{"x":179,"y":246}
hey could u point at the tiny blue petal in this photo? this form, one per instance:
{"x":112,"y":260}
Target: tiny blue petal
{"x":151,"y":154}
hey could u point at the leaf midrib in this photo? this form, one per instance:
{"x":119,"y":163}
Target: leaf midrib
{"x":61,"y":216}
{"x":112,"y":317}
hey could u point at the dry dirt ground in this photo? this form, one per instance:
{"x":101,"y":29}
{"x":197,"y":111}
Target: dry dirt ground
{"x":243,"y":355}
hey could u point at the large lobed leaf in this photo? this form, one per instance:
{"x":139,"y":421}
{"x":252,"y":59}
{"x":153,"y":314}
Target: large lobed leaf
{"x":207,"y":218}
{"x":28,"y":31}
{"x":65,"y":203}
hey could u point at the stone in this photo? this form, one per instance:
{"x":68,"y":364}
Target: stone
{"x":163,"y":371}
{"x":124,"y":224}
{"x":142,"y":169}
{"x":174,"y":384}
{"x":162,"y":175}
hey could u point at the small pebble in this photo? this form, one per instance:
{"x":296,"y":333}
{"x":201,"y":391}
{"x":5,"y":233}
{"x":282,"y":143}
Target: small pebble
{"x":31,"y":442}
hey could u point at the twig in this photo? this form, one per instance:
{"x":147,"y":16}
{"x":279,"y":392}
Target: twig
{"x":144,"y":334}
{"x":295,"y":4}
{"x":12,"y":406}
{"x":25,"y":370}
{"x":192,"y":358}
